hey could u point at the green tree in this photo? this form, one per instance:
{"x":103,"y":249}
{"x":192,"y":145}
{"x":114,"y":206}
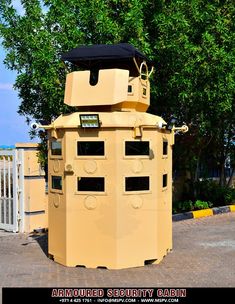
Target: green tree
{"x":190,"y":42}
{"x":194,"y":43}
{"x":35,"y":41}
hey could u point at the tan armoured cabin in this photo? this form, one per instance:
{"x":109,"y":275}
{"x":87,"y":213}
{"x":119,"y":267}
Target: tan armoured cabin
{"x":110,"y":165}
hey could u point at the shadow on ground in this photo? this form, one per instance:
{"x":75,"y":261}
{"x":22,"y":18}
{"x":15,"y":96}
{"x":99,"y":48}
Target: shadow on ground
{"x":41,"y":239}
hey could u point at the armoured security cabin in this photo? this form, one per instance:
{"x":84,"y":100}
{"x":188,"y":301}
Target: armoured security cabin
{"x":110,"y":165}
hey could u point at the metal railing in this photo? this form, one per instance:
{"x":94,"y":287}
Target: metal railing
{"x":11,"y":190}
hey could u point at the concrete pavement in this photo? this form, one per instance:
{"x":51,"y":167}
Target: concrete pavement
{"x":203,"y":256}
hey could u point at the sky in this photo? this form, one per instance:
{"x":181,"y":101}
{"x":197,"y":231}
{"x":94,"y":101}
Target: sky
{"x":13,"y":127}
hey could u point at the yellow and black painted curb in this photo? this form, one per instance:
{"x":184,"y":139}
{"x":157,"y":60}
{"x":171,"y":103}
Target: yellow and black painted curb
{"x":202,"y":213}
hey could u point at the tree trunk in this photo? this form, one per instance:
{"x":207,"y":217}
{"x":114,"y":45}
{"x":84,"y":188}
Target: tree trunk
{"x":229,"y":183}
{"x":222,"y":180}
{"x":196,"y":176}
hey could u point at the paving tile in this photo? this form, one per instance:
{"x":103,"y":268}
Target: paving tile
{"x":203,"y":256}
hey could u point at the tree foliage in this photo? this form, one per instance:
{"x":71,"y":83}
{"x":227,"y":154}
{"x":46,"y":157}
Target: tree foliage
{"x":196,"y":76}
{"x":190,"y":42}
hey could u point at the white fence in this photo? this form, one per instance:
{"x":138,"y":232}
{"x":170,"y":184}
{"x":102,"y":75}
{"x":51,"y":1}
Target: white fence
{"x":11,"y":190}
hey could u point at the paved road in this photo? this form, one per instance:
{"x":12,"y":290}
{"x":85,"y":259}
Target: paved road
{"x":203,"y":256}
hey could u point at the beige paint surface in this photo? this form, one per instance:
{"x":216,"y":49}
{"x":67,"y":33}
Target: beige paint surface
{"x":35,"y":198}
{"x":111,"y":89}
{"x":114,"y":228}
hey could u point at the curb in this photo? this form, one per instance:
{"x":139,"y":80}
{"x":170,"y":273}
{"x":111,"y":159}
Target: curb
{"x":202,"y":213}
